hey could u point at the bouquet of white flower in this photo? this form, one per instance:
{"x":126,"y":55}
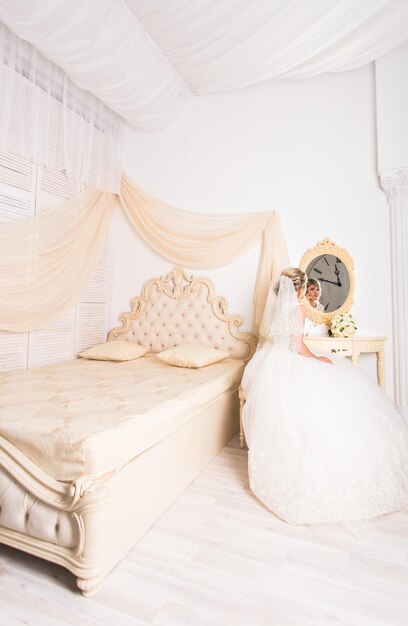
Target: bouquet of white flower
{"x":342,"y":325}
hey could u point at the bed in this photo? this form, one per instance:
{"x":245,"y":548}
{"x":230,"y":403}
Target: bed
{"x":93,"y":452}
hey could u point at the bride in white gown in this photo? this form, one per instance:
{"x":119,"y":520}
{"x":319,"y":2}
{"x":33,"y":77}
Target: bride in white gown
{"x":325,"y":443}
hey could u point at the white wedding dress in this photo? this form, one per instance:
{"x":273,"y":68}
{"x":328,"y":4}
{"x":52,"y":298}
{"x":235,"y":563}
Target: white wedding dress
{"x":325,"y":443}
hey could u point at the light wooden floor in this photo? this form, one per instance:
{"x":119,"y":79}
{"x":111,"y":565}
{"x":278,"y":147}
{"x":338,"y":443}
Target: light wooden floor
{"x":218,"y":558}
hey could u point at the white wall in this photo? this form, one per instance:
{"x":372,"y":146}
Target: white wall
{"x":392,"y":107}
{"x":304,"y":148}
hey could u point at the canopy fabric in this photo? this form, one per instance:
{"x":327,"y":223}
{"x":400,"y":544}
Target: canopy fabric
{"x":145,"y":59}
{"x":46,"y":261}
{"x":206,"y":241}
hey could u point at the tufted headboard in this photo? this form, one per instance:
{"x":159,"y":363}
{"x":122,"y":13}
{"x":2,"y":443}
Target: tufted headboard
{"x":180,"y":308}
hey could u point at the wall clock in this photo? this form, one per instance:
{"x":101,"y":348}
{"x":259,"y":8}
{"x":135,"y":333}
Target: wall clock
{"x":333,"y":267}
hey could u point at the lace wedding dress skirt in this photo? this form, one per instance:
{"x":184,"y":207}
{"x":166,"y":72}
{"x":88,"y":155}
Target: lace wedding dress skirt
{"x":325,"y":443}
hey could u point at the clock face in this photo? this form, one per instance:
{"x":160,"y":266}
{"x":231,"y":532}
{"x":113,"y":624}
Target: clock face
{"x":334,"y":279}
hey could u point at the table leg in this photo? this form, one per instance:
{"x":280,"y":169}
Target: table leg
{"x":241,"y":428}
{"x":354,"y":356}
{"x":381,"y":369}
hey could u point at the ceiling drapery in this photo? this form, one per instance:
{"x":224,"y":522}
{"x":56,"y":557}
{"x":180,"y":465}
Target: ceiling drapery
{"x":145,"y":59}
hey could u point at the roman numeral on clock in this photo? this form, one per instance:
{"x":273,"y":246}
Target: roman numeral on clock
{"x":326,"y":260}
{"x":317,"y":271}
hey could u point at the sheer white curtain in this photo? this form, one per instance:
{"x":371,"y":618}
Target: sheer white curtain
{"x":146,"y":58}
{"x":68,"y":128}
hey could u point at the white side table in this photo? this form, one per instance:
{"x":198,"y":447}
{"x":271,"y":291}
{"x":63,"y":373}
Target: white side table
{"x":352,"y":347}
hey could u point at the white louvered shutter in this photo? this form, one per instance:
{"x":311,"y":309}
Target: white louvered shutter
{"x":92,"y":308}
{"x":91,"y":325}
{"x":17,"y":200}
{"x":52,"y":344}
{"x":13,"y":351}
{"x":27,"y":189}
{"x":17,"y":186}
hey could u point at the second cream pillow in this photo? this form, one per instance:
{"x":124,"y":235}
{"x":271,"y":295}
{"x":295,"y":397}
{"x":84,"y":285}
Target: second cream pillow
{"x":192,"y":355}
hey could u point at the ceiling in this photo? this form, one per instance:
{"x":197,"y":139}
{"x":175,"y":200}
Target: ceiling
{"x":146,"y":59}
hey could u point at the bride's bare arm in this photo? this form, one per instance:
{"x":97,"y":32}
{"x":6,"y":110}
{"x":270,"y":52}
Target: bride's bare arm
{"x":303,"y":350}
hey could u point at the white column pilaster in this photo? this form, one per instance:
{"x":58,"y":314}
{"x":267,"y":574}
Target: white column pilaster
{"x":395,"y":184}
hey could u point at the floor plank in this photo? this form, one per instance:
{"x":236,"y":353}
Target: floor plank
{"x":218,"y":557}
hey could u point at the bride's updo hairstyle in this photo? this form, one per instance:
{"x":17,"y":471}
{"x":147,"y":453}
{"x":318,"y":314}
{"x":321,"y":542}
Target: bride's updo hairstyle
{"x":296,"y":275}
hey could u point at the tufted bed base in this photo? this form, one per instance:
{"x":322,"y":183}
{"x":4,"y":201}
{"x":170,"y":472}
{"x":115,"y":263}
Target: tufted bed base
{"x":89,"y":526}
{"x":88,"y":520}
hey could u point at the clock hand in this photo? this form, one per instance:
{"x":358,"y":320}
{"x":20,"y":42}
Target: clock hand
{"x":324,"y":280}
{"x":337,"y":272}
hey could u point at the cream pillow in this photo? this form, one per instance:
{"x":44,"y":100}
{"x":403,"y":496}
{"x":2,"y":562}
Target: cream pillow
{"x":192,"y":355}
{"x":114,"y":351}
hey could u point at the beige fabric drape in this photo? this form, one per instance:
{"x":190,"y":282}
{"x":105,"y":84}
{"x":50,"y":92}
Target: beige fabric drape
{"x":207,"y":241}
{"x":46,"y":261}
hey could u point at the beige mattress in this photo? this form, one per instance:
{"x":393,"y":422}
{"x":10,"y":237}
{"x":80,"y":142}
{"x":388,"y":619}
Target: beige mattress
{"x":91,"y":417}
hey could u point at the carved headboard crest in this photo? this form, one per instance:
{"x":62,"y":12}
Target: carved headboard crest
{"x":182,"y":308}
{"x":177,"y":283}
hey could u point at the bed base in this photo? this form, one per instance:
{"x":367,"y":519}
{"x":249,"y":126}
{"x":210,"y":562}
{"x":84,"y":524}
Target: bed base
{"x":88,"y":526}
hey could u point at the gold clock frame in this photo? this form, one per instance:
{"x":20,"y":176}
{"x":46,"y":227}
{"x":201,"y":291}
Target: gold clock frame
{"x":327,"y":246}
